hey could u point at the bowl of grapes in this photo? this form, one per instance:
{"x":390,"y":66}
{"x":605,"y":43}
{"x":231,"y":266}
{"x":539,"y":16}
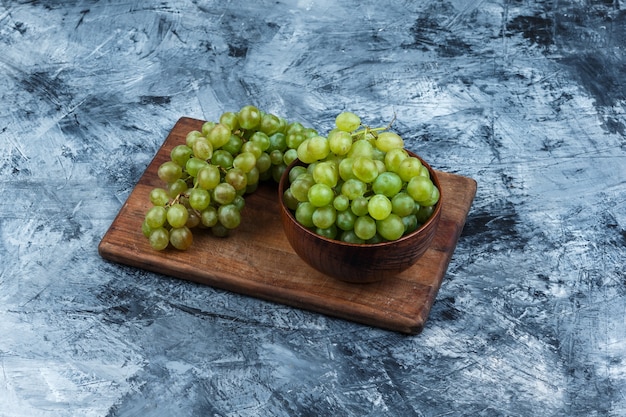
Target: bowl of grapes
{"x":356,"y":205}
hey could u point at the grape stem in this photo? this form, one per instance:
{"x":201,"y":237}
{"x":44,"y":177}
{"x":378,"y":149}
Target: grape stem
{"x":373,"y":131}
{"x":175,"y":199}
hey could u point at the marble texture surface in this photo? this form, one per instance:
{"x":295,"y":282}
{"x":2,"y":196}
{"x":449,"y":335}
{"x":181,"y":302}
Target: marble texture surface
{"x":526,"y":97}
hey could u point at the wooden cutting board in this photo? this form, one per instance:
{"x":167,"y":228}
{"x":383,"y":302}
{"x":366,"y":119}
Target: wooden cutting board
{"x":256,"y":259}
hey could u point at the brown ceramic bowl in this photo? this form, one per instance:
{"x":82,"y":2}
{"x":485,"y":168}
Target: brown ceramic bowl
{"x":358,"y":263}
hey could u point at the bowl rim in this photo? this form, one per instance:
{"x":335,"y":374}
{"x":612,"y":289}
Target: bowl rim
{"x":433,"y":217}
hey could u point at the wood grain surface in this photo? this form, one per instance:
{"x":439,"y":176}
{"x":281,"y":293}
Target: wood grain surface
{"x":256,"y":259}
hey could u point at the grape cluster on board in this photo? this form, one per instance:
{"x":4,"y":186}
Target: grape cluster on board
{"x":357,"y":184}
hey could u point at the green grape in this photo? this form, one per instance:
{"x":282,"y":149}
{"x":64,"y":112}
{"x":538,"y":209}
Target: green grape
{"x":393,"y":158}
{"x":320,"y":195}
{"x":202,"y":149}
{"x":261,"y":139}
{"x":245,"y":161}
{"x":347,"y":121}
{"x":199,"y":199}
{"x":224,"y":193}
{"x":363,"y":148}
{"x":219,"y":135}
{"x":252,"y":147}
{"x":328,"y":233}
{"x":402,"y":204}
{"x":326,"y":173}
{"x":376,"y":239}
{"x":434,"y":198}
{"x":159,"y":238}
{"x":177,"y":215}
{"x":194,"y":165}
{"x":193,"y":220}
{"x":283,"y":125}
{"x":365,"y":227}
{"x":304,"y":155}
{"x":192,"y":137}
{"x":206,"y":128}
{"x":222,"y":158}
{"x":420,"y":189}
{"x":379,"y":207}
{"x":387,"y":141}
{"x":391,"y":227}
{"x":309,"y":132}
{"x":208,"y":177}
{"x":334,"y":159}
{"x":289,"y":200}
{"x":304,"y":214}
{"x":295,"y":172}
{"x":181,"y":153}
{"x":380,"y":166}
{"x":324,"y":217}
{"x":300,"y":187}
{"x":341,"y":202}
{"x":229,"y":216}
{"x":156,"y":217}
{"x":294,"y":127}
{"x":409,"y":167}
{"x":277,"y":171}
{"x":379,"y":156}
{"x":410,"y":223}
{"x":249,"y":117}
{"x":169,"y":171}
{"x":289,"y":156}
{"x":310,"y":167}
{"x":181,"y":237}
{"x":263,"y":162}
{"x":353,"y":188}
{"x":233,"y":146}
{"x":349,"y":236}
{"x":237,"y":178}
{"x":208,"y":217}
{"x":345,"y":219}
{"x":318,"y":147}
{"x":270,"y":124}
{"x":387,"y":183}
{"x":230,"y":119}
{"x":359,"y":206}
{"x":176,"y":188}
{"x":145,"y":229}
{"x":159,"y":197}
{"x":239,"y":202}
{"x":278,"y":142}
{"x":295,"y":139}
{"x":276,"y":157}
{"x":424,"y":213}
{"x":345,"y":169}
{"x":339,"y":142}
{"x":364,"y":169}
{"x":252,"y":179}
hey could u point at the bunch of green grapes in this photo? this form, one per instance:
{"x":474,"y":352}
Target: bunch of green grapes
{"x":207,"y":177}
{"x":359,"y":186}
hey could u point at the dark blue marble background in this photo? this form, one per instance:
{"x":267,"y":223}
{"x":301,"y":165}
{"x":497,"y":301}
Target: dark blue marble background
{"x":526,"y":97}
